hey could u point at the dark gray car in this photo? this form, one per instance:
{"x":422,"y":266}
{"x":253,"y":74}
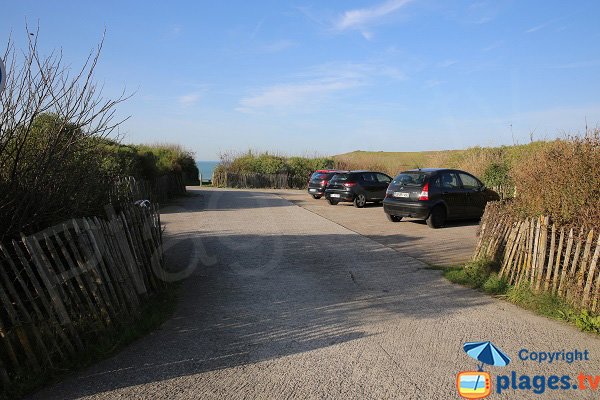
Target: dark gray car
{"x":358,"y":187}
{"x":436,"y":195}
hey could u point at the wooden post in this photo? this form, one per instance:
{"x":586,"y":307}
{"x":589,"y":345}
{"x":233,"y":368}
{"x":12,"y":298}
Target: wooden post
{"x":535,"y":254}
{"x":567,"y":258}
{"x":551,"y":258}
{"x":558,"y":259}
{"x":590,"y":276}
{"x":570,"y":288}
{"x":541,"y":258}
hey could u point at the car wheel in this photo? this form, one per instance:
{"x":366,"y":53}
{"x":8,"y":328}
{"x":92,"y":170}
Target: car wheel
{"x":360,"y":200}
{"x":437,"y":217}
{"x":393,"y":218}
{"x":316,"y":196}
{"x":332,"y":202}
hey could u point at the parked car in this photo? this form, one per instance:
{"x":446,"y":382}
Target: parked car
{"x":436,"y":195}
{"x":318,"y":181}
{"x":358,"y":187}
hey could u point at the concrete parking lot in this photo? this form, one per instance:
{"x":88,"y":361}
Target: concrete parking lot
{"x":450,"y":246}
{"x":278,"y":302}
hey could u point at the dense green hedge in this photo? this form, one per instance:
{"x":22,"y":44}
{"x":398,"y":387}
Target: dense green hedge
{"x":52,"y":170}
{"x":265,"y":163}
{"x":148,"y":161}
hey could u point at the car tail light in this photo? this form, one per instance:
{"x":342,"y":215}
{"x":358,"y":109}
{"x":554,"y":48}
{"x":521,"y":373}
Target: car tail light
{"x":424,"y":195}
{"x":324,"y":182}
{"x":388,"y":193}
{"x":350,"y":184}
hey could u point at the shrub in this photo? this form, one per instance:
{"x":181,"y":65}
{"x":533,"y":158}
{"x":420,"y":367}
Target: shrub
{"x":561,"y":180}
{"x":265,"y":163}
{"x":497,"y":174}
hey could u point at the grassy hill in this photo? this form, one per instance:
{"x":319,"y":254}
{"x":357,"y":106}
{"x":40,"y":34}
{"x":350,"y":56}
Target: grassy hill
{"x":393,"y":162}
{"x":476,"y":160}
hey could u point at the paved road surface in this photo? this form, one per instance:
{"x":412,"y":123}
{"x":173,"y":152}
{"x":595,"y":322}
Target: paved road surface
{"x":452,"y":245}
{"x":281,"y":303}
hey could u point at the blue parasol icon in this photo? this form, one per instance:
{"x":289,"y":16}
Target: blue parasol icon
{"x":486,"y":353}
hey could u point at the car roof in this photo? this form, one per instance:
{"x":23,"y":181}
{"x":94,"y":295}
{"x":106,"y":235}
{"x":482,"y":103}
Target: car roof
{"x":357,"y":171}
{"x":429,"y":170}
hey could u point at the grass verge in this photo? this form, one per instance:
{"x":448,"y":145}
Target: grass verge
{"x":481,"y":275}
{"x":101,"y":346}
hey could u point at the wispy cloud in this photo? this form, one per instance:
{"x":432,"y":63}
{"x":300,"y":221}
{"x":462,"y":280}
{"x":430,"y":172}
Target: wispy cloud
{"x":542,"y":25}
{"x":363,"y":17}
{"x":576,"y":65}
{"x":447,"y":63}
{"x":189,"y":99}
{"x":316,"y":85}
{"x":481,"y":12}
{"x":493,"y":46}
{"x":173,"y":31}
{"x":536,"y":28}
{"x":286,"y":95}
{"x":276,"y":46}
{"x":430,"y":83}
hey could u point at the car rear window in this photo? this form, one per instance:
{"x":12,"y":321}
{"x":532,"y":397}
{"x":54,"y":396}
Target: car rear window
{"x":410,"y":179}
{"x":340,"y":177}
{"x":321,"y":175}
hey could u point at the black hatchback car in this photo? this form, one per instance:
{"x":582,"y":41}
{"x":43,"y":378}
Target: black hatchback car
{"x":318,"y":181}
{"x":358,"y":187}
{"x":436,"y":195}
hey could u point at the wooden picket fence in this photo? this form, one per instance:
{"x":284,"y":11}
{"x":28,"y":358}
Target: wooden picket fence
{"x":66,"y":286}
{"x":256,"y":180}
{"x":548,"y":257}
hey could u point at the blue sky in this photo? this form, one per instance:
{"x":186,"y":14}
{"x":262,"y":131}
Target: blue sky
{"x":306,"y":77}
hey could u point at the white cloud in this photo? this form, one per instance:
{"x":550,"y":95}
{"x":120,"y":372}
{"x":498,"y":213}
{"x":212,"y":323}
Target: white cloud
{"x":430,"y":83}
{"x":542,"y":26}
{"x":189,"y":100}
{"x":276,"y":46}
{"x":286,"y":95}
{"x":316,"y":85}
{"x":446,"y":63}
{"x":535,"y":28}
{"x":360,"y":18}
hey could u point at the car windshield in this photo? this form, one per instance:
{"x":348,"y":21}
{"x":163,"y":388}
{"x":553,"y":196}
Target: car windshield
{"x":410,"y":179}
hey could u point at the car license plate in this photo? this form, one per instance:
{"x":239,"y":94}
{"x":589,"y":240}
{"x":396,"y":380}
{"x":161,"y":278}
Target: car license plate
{"x":335,"y":195}
{"x":312,"y":190}
{"x":401,"y":194}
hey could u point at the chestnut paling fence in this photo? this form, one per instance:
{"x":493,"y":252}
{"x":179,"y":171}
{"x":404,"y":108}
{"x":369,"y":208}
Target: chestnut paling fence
{"x":548,"y":257}
{"x":66,"y":286}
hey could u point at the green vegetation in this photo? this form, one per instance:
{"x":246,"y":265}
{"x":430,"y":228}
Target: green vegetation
{"x":105,"y":344}
{"x":482,"y":275}
{"x":52,"y":170}
{"x":148,"y":161}
{"x":266,"y":163}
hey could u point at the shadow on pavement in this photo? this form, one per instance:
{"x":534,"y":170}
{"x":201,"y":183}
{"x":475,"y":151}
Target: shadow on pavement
{"x":252,"y":298}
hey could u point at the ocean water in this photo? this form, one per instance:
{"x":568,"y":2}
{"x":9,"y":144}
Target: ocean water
{"x":206,"y":169}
